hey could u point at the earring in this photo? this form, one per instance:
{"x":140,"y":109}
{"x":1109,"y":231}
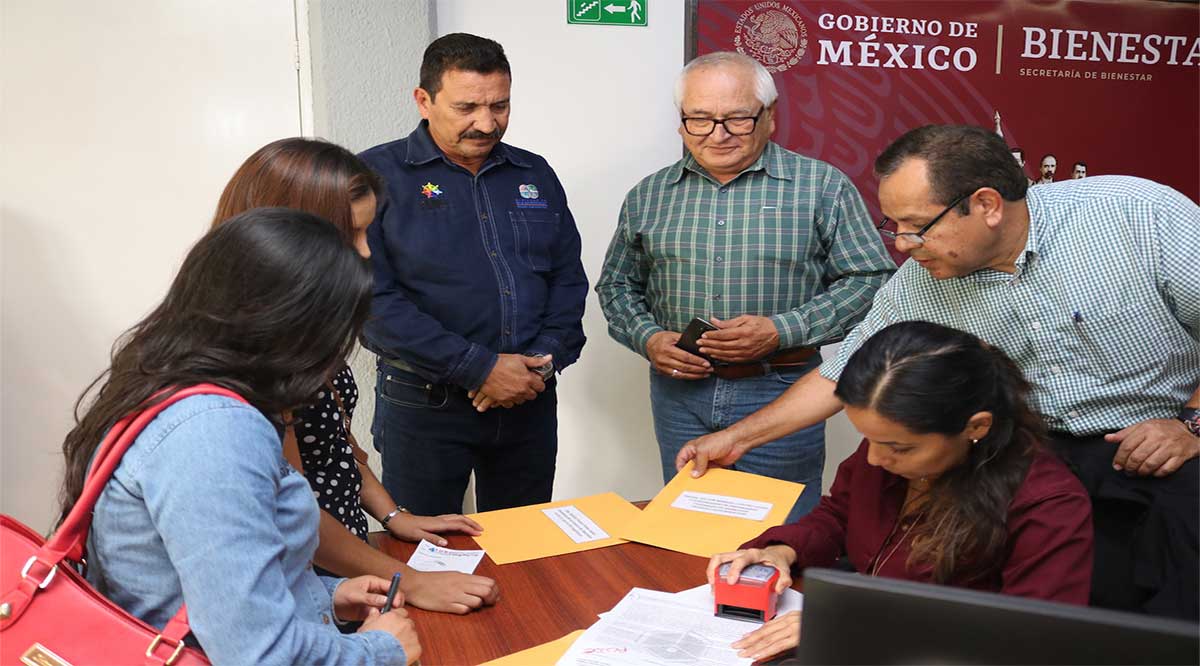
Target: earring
{"x":974,"y":441}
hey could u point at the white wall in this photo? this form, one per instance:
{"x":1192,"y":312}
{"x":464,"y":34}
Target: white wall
{"x":120,"y":122}
{"x":365,"y":60}
{"x":595,"y":101}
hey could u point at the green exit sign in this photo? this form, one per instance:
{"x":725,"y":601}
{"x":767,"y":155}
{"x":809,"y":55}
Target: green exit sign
{"x":607,"y":12}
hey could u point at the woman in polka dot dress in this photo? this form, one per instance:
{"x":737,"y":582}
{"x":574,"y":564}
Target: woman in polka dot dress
{"x":327,"y":180}
{"x":326,"y":455}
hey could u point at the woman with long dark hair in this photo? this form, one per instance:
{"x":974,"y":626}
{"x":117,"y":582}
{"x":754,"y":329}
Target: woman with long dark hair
{"x":203,"y":508}
{"x":325,"y":179}
{"x":951,"y":484}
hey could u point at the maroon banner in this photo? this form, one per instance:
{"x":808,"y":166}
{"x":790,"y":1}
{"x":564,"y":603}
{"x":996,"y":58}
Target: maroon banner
{"x":1113,"y":84}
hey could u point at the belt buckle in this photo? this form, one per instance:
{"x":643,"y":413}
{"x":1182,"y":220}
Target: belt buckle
{"x":740,"y":370}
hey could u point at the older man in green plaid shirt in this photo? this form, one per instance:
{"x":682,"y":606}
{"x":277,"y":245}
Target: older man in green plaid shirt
{"x":774,"y":248}
{"x":1092,"y":287}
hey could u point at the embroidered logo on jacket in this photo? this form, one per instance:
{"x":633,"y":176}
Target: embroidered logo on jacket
{"x":430,"y":190}
{"x":529,"y":197}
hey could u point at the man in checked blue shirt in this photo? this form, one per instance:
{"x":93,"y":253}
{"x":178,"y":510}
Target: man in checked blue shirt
{"x":774,"y":248}
{"x":479,"y":295}
{"x":1092,"y":287}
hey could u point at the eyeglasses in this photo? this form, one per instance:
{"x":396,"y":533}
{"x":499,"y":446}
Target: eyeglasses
{"x":917,"y":238}
{"x":740,"y":126}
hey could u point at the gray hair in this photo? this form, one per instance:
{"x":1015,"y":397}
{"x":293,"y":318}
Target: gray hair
{"x":764,"y":85}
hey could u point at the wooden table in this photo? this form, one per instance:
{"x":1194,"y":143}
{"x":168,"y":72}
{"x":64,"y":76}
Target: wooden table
{"x":543,"y":600}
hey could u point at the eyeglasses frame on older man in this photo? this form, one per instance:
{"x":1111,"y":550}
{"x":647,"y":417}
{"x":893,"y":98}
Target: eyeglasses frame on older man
{"x":722,"y":122}
{"x":917,"y":237}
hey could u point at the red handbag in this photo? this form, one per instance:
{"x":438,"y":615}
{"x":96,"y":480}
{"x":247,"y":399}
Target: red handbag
{"x":49,"y":614}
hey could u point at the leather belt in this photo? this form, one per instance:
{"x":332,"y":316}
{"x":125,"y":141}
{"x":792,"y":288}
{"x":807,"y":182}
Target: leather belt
{"x":398,"y":364}
{"x":785,"y":359}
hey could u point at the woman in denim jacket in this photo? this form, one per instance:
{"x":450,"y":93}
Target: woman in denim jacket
{"x":203,"y":508}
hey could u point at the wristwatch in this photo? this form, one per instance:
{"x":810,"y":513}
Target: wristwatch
{"x":1191,"y":418}
{"x":546,"y":370}
{"x":399,"y":509}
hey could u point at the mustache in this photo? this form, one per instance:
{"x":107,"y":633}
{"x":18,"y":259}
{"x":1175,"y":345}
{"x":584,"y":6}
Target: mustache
{"x":476,"y":134}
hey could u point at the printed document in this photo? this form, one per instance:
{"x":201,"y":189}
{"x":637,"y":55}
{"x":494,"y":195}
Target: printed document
{"x":428,"y":557}
{"x":651,"y":628}
{"x":575,"y":524}
{"x":722,"y":505}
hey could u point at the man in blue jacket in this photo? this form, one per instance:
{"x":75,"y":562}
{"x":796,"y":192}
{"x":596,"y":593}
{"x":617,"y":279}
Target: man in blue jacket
{"x":479,"y":294}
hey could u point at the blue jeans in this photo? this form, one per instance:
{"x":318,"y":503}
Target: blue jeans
{"x":431,"y":439}
{"x":684,"y":410}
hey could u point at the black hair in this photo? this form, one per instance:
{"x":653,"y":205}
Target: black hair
{"x":267,"y":304}
{"x":460,"y":50}
{"x":932,"y":379}
{"x":961,"y":159}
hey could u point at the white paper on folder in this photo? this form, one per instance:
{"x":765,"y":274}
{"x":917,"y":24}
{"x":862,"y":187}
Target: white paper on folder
{"x":656,"y":629}
{"x":722,"y":505}
{"x":428,"y":557}
{"x":575,"y":524}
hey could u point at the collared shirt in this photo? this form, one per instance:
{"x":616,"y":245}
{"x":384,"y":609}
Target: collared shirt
{"x":789,"y":238}
{"x":468,"y":266}
{"x":204,"y":507}
{"x":1102,"y":313}
{"x":1048,"y":554}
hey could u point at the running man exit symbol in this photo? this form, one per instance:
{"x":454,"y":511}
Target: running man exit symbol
{"x":607,"y":12}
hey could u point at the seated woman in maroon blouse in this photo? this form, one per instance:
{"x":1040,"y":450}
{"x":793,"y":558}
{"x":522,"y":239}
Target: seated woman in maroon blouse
{"x":951,"y":485}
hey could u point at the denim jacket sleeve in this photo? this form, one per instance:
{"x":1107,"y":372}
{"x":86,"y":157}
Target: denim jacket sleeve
{"x":561,"y":333}
{"x":211,"y":487}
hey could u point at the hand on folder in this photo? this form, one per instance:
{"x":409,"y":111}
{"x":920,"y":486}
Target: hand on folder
{"x":717,"y":448}
{"x":713,"y":514}
{"x":409,"y":527}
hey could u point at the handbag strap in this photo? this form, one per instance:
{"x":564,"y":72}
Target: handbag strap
{"x":72,"y":534}
{"x":70,"y":538}
{"x":170,"y":638}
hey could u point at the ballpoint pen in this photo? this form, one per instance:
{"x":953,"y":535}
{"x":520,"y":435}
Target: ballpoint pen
{"x":391,"y":595}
